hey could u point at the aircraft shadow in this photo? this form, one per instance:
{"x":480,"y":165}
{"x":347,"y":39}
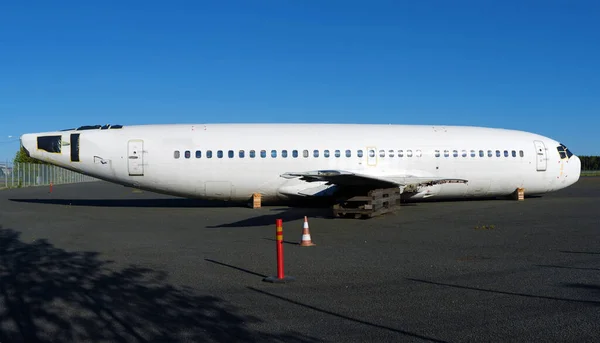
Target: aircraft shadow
{"x":451,"y":200}
{"x":165,"y":203}
{"x":199,"y":203}
{"x":51,"y":295}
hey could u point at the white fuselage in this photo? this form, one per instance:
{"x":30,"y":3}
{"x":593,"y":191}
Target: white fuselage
{"x":233,"y":161}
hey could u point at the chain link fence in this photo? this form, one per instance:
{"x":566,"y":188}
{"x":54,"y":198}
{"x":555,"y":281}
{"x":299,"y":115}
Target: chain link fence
{"x":29,"y":174}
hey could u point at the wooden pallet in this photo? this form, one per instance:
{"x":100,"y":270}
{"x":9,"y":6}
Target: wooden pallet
{"x":375,"y":203}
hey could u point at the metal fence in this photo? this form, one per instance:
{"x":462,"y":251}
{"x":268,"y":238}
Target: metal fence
{"x":29,"y":174}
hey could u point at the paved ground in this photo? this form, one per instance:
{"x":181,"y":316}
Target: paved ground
{"x":101,"y":263}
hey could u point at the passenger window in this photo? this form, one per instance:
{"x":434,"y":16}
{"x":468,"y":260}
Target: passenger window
{"x":514,"y":153}
{"x":176,"y":154}
{"x":273,"y":153}
{"x":498,"y":153}
{"x":252,"y":153}
{"x":305,"y":153}
{"x":209,"y":154}
{"x":337,"y":153}
{"x":284,"y":153}
{"x":408,"y":153}
{"x":455,"y":153}
{"x":381,"y":153}
{"x":220,"y":153}
{"x":473,"y":153}
{"x":371,"y":153}
{"x":294,"y":153}
{"x":400,"y":153}
{"x":187,"y":154}
{"x":446,"y":153}
{"x":241,"y":154}
{"x":505,"y":153}
{"x":326,"y":153}
{"x":316,"y":153}
{"x":263,"y":153}
{"x":230,"y":153}
{"x":418,"y":153}
{"x":490,"y":153}
{"x":481,"y":153}
{"x":437,"y":153}
{"x":198,"y":154}
{"x":464,"y":153}
{"x":521,"y":153}
{"x":391,"y":153}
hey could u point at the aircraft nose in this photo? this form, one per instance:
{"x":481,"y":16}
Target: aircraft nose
{"x":575,"y":166}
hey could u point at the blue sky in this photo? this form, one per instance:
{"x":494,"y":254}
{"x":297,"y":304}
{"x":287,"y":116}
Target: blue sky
{"x":529,"y":65}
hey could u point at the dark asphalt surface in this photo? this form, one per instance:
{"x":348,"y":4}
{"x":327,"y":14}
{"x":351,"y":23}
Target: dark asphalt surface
{"x":98,"y":262}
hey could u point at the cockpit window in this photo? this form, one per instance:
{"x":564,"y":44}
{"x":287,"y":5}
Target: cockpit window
{"x":50,"y":143}
{"x":564,"y":152}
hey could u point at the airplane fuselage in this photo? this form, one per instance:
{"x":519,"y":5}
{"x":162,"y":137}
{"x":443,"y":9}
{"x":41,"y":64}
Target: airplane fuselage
{"x":233,"y":161}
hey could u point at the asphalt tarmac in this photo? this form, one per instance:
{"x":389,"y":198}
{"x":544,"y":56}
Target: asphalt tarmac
{"x":96,"y":262}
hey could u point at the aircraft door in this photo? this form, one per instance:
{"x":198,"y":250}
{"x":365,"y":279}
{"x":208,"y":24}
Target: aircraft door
{"x":135,"y":157}
{"x":371,"y":156}
{"x":541,"y":157}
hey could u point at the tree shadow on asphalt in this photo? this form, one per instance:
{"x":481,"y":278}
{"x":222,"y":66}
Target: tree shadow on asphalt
{"x":50,"y":295}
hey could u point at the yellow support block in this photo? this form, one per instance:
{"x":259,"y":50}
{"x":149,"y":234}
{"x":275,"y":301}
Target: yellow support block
{"x":256,"y":200}
{"x":520,"y":194}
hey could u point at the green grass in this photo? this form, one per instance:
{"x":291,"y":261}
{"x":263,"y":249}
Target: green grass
{"x":590,"y":173}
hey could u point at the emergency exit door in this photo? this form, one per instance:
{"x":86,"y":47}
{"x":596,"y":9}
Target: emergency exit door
{"x":135,"y":157}
{"x":542,"y":158}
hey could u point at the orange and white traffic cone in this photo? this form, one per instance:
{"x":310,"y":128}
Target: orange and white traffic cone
{"x":306,"y":241}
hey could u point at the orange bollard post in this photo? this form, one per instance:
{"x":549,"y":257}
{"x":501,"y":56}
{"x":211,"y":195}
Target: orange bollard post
{"x":280,"y":278}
